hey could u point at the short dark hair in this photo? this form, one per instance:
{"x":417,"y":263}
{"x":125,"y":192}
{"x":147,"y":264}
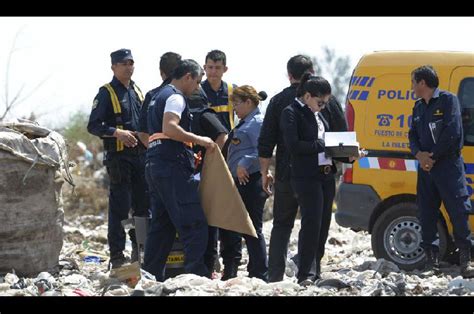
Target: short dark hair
{"x":426,"y":73}
{"x":169,"y":62}
{"x":187,"y":66}
{"x":216,"y":55}
{"x":316,"y":86}
{"x":298,"y":65}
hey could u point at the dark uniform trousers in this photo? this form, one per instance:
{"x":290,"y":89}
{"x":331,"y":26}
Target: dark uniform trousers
{"x":445,"y":182}
{"x":285,"y":207}
{"x":177,"y":203}
{"x":230,"y":247}
{"x":315,"y":196}
{"x":128,"y":189}
{"x":254,"y":199}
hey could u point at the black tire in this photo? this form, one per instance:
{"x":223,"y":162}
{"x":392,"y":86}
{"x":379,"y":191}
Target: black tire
{"x":396,"y":237}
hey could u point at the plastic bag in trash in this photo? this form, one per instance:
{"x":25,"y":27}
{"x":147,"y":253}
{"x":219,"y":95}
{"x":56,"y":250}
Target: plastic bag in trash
{"x":92,"y":259}
{"x":43,"y":285}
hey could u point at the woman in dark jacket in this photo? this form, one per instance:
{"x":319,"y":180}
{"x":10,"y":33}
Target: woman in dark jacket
{"x":312,"y":172}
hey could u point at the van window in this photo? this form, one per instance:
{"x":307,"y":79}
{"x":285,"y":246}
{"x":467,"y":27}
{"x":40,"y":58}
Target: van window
{"x":466,"y":98}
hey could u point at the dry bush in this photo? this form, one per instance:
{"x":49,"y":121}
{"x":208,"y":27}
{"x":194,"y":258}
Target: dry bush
{"x":90,"y":197}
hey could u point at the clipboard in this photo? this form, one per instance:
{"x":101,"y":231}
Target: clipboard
{"x":341,"y":144}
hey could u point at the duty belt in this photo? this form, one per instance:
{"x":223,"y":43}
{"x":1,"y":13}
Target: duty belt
{"x":157,"y":138}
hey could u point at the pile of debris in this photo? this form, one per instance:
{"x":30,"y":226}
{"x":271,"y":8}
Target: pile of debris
{"x":349,"y":268}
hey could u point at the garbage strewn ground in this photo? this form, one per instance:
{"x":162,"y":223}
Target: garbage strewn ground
{"x":349,"y":268}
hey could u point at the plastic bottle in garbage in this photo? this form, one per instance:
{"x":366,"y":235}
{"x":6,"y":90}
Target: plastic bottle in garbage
{"x":291,"y":268}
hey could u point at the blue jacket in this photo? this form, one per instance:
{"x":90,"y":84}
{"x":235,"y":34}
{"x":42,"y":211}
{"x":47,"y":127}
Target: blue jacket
{"x":219,"y":102}
{"x":143,"y":121}
{"x":168,"y":149}
{"x":103,"y":121}
{"x":243,"y":144}
{"x":445,"y":137}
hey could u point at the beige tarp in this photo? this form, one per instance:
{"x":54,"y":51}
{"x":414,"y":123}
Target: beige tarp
{"x":220,"y":198}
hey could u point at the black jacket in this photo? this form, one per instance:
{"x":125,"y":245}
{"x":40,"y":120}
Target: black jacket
{"x":300,"y":133}
{"x":270,"y":134}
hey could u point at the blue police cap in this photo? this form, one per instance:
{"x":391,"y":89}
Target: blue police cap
{"x":121,"y":55}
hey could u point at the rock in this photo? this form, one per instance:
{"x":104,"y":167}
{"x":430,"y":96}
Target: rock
{"x":10,"y":278}
{"x":374,"y":290}
{"x":459,"y":282}
{"x":332,"y":283}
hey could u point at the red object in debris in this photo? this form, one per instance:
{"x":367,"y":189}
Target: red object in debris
{"x":81,"y":293}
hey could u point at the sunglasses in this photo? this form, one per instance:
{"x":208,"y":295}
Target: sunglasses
{"x":321,"y":103}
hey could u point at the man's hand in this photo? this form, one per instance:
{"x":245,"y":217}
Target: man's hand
{"x":206,"y":142}
{"x":242,"y":175}
{"x":424,"y":158}
{"x":127,"y":137}
{"x":267,"y":182}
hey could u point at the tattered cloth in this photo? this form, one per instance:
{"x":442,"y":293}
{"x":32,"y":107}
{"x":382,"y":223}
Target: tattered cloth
{"x":220,"y":199}
{"x":33,"y":167}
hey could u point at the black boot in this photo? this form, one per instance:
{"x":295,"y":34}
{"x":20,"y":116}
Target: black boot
{"x":117,"y":260}
{"x":432,"y":260}
{"x":464,"y":263}
{"x":135,"y":252}
{"x":134,"y":257}
{"x":210,"y":262}
{"x":230,"y":271}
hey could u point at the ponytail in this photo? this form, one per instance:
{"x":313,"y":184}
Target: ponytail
{"x":317,"y":86}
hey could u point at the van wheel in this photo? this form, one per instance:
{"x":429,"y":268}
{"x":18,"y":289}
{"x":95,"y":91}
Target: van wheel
{"x":396,"y":237}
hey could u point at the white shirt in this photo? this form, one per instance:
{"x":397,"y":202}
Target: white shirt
{"x":175,"y":104}
{"x":322,"y":159}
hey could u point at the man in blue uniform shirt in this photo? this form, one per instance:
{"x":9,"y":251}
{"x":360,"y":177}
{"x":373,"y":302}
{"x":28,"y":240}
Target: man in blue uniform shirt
{"x":436,"y":140}
{"x":168,"y":62}
{"x":170,"y":176}
{"x":216,"y":90}
{"x":114,"y":118}
{"x":217,"y":94}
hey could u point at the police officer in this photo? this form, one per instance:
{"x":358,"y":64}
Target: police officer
{"x":242,"y":159}
{"x":114,"y":118}
{"x":436,"y":140}
{"x":169,"y":173}
{"x":218,"y":94}
{"x":168,"y":62}
{"x":216,"y":91}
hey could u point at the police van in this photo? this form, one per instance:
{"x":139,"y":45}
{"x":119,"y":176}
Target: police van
{"x":378,"y":193}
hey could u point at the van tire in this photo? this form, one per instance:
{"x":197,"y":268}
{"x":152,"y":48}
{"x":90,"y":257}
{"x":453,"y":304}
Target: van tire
{"x":396,"y":237}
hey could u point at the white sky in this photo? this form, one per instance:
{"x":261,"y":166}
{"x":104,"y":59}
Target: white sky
{"x":74,"y":52}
